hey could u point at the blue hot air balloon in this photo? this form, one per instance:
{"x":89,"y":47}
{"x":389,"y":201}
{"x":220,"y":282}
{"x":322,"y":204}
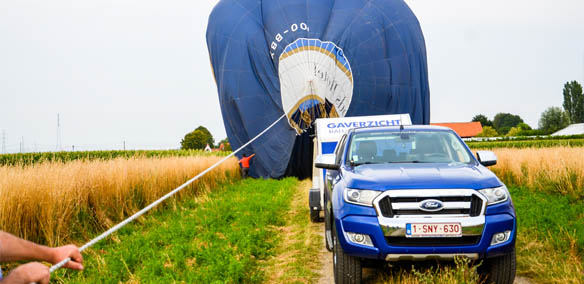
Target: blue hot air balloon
{"x":309,"y":59}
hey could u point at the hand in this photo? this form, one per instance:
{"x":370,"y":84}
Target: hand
{"x":60,"y":253}
{"x":33,"y":272}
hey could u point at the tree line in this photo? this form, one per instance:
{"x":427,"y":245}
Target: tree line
{"x":551,"y":120}
{"x":199,"y":138}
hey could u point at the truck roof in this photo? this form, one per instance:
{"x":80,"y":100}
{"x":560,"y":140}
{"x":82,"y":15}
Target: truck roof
{"x":405,"y":128}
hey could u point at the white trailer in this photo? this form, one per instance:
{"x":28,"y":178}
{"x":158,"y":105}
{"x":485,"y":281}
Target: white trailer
{"x":328,"y":133}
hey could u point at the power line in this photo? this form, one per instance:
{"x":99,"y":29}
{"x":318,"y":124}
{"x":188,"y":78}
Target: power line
{"x":58,"y":148}
{"x":3,"y":141}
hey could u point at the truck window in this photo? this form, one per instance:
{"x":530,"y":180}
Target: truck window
{"x":407,"y":147}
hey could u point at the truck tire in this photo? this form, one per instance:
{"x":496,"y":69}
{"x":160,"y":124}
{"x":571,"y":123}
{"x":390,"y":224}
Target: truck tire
{"x":501,"y":270}
{"x":347,"y":269}
{"x":314,"y":215}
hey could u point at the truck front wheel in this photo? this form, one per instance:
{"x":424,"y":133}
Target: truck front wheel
{"x":347,"y":269}
{"x":500,"y":270}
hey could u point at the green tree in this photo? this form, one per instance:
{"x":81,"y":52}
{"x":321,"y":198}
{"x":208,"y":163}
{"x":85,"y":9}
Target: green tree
{"x":553,"y":119}
{"x":226,"y":144}
{"x":503,"y":122}
{"x":209,"y":138}
{"x":483,"y":119}
{"x":197,"y":139}
{"x":574,"y":101}
{"x":488,"y":131}
{"x":523,"y":126}
{"x":514,"y":131}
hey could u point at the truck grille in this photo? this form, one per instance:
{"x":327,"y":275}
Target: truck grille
{"x":405,"y":205}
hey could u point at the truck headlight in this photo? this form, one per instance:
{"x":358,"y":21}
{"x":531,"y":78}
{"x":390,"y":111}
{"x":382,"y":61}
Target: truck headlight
{"x":495,"y":195}
{"x":361,"y":196}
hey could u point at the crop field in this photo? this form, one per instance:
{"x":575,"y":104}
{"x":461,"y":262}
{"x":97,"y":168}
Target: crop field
{"x":35,"y":158}
{"x":547,"y":188}
{"x":258,"y":231}
{"x":55,"y":202}
{"x":577,"y":141}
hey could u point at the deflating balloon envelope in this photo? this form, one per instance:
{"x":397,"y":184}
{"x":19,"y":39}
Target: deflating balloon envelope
{"x":310,"y":59}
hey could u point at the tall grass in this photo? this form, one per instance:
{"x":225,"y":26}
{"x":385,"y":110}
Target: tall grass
{"x":553,"y":170}
{"x":56,"y":202}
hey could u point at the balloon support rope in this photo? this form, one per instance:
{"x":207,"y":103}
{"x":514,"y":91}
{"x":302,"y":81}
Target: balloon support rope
{"x":153,"y":204}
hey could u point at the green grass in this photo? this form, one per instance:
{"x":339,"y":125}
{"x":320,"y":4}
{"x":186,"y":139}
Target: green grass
{"x":550,"y":242}
{"x":221,"y":238}
{"x":33,"y":158}
{"x":297,"y":256}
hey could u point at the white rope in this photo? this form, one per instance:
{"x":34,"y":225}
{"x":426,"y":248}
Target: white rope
{"x":147,"y":208}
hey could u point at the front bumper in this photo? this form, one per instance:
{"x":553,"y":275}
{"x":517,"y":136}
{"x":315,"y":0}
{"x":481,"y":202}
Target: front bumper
{"x":370,"y":225}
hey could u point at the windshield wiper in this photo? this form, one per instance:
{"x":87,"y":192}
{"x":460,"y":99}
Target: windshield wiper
{"x":406,"y":162}
{"x":364,"y":163}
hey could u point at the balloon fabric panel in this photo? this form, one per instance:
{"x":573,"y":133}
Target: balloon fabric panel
{"x":309,"y":59}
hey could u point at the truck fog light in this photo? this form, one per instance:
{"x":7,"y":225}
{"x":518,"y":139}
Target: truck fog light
{"x":360,"y":239}
{"x":500,"y":238}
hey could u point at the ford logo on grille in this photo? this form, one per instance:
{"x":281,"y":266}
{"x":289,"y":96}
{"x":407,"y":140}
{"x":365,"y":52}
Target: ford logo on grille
{"x":431,"y":205}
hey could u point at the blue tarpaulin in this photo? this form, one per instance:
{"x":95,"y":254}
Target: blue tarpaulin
{"x":310,"y":59}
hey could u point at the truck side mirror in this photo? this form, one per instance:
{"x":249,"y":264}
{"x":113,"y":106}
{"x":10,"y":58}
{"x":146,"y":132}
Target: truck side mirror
{"x":487,"y":158}
{"x":326,"y":161}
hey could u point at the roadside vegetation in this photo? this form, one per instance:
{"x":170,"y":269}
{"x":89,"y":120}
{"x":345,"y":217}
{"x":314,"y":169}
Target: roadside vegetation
{"x":54,"y":202}
{"x":225,"y":236}
{"x":462,"y":270}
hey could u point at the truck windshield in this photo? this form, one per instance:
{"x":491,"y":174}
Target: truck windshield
{"x":407,"y":147}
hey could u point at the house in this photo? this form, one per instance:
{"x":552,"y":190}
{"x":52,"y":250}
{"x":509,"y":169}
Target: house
{"x":572,"y":129}
{"x":463,"y":129}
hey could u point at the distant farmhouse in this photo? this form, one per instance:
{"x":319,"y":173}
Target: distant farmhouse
{"x":463,"y":129}
{"x":572,"y":129}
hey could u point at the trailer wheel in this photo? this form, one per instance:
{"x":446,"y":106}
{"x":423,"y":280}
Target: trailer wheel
{"x":314,"y":215}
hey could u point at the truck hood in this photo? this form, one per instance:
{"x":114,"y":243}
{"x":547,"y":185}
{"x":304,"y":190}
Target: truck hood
{"x":420,"y":176}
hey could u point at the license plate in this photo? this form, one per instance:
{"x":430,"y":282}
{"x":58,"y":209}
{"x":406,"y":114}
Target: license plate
{"x":419,"y":230}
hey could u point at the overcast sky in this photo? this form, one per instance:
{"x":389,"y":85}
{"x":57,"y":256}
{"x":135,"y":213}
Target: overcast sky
{"x":138,"y":71}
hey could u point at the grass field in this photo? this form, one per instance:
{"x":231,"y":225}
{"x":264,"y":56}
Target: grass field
{"x":226,"y":236}
{"x":550,"y":239}
{"x":54,"y":202}
{"x":257,"y":231}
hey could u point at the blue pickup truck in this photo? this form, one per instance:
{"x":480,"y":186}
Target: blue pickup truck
{"x":400,"y":193}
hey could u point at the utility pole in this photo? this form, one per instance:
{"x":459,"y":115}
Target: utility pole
{"x":124,"y":145}
{"x":3,"y":141}
{"x":58,"y":148}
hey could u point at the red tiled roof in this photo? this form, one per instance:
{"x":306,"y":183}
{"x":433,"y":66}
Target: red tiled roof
{"x":463,"y":129}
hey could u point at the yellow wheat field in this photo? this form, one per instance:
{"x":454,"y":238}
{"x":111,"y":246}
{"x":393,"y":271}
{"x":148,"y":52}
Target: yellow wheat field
{"x":56,"y":202}
{"x":556,"y":169}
